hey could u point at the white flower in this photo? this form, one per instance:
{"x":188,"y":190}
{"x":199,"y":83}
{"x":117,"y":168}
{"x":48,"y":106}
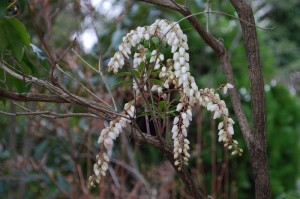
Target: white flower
{"x":222,"y":137}
{"x":176,"y":65}
{"x":220,"y":126}
{"x":187,"y":57}
{"x":112,"y":135}
{"x":183,"y":69}
{"x":183,"y":115}
{"x":104,"y":166}
{"x":159,"y":90}
{"x":221,"y":132}
{"x":182,"y":60}
{"x":225,"y":111}
{"x":176,"y":119}
{"x":174,"y":129}
{"x":161,"y":57}
{"x":108,"y":143}
{"x":105,"y":156}
{"x":189,"y":112}
{"x":230,"y":130}
{"x":226,"y":87}
{"x":176,"y":56}
{"x":96,"y":170}
{"x":186,"y":141}
{"x":179,"y":107}
{"x":175,"y":133}
{"x":181,"y":51}
{"x":100,"y":139}
{"x":186,"y":122}
{"x":217,"y":114}
{"x":186,"y":146}
{"x":231,"y":121}
{"x":184,"y":132}
{"x":174,"y":48}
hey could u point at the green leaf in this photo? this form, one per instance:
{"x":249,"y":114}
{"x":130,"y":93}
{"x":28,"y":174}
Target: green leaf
{"x":155,"y":40}
{"x":162,"y":106}
{"x":155,"y":72}
{"x":18,"y":85}
{"x":26,"y":62}
{"x":17,"y":50}
{"x":122,"y":74}
{"x":3,"y":39}
{"x":146,"y":43}
{"x":155,"y":81}
{"x":124,"y":83}
{"x":13,"y":37}
{"x":142,"y":66}
{"x":136,"y":73}
{"x":148,"y":55}
{"x":20,"y":29}
{"x":45,"y":64}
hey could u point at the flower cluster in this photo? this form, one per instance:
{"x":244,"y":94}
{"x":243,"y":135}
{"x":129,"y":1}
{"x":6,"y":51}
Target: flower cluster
{"x":107,"y":137}
{"x":177,"y":74}
{"x":100,"y":168}
{"x":212,"y":102}
{"x":179,"y":133}
{"x":172,"y":73}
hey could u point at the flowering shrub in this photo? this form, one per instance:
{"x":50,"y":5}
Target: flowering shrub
{"x":153,"y":80}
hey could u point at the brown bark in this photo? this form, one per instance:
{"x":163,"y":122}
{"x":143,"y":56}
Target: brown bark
{"x":33,"y":97}
{"x":258,"y":146}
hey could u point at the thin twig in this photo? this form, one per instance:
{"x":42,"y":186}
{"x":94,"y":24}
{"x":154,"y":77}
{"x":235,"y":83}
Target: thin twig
{"x":81,"y":84}
{"x":65,"y":52}
{"x":135,"y":173}
{"x":106,"y":85}
{"x":99,"y":72}
{"x":61,"y":92}
{"x":91,"y":67}
{"x":49,"y":114}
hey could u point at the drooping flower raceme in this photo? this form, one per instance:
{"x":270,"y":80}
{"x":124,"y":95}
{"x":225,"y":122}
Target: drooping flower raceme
{"x":106,"y":140}
{"x":148,"y":64}
{"x":212,"y":102}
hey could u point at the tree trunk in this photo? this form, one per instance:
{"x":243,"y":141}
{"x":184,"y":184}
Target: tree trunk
{"x":257,"y":146}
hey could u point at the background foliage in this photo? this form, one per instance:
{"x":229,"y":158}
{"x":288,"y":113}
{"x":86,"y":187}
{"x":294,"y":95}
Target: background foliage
{"x":50,"y":158}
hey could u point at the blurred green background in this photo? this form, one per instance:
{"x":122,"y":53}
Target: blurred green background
{"x":51,"y":158}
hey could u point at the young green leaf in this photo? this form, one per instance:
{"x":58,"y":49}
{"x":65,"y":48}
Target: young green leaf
{"x":122,"y":74}
{"x":162,"y":106}
{"x":3,"y":39}
{"x":155,"y":41}
{"x":156,"y":82}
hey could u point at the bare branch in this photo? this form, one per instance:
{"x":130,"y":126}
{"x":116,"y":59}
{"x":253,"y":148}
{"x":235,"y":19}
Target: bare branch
{"x":165,"y":4}
{"x":32,"y":97}
{"x":101,"y":76}
{"x":60,"y":92}
{"x":50,"y":114}
{"x":81,"y":84}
